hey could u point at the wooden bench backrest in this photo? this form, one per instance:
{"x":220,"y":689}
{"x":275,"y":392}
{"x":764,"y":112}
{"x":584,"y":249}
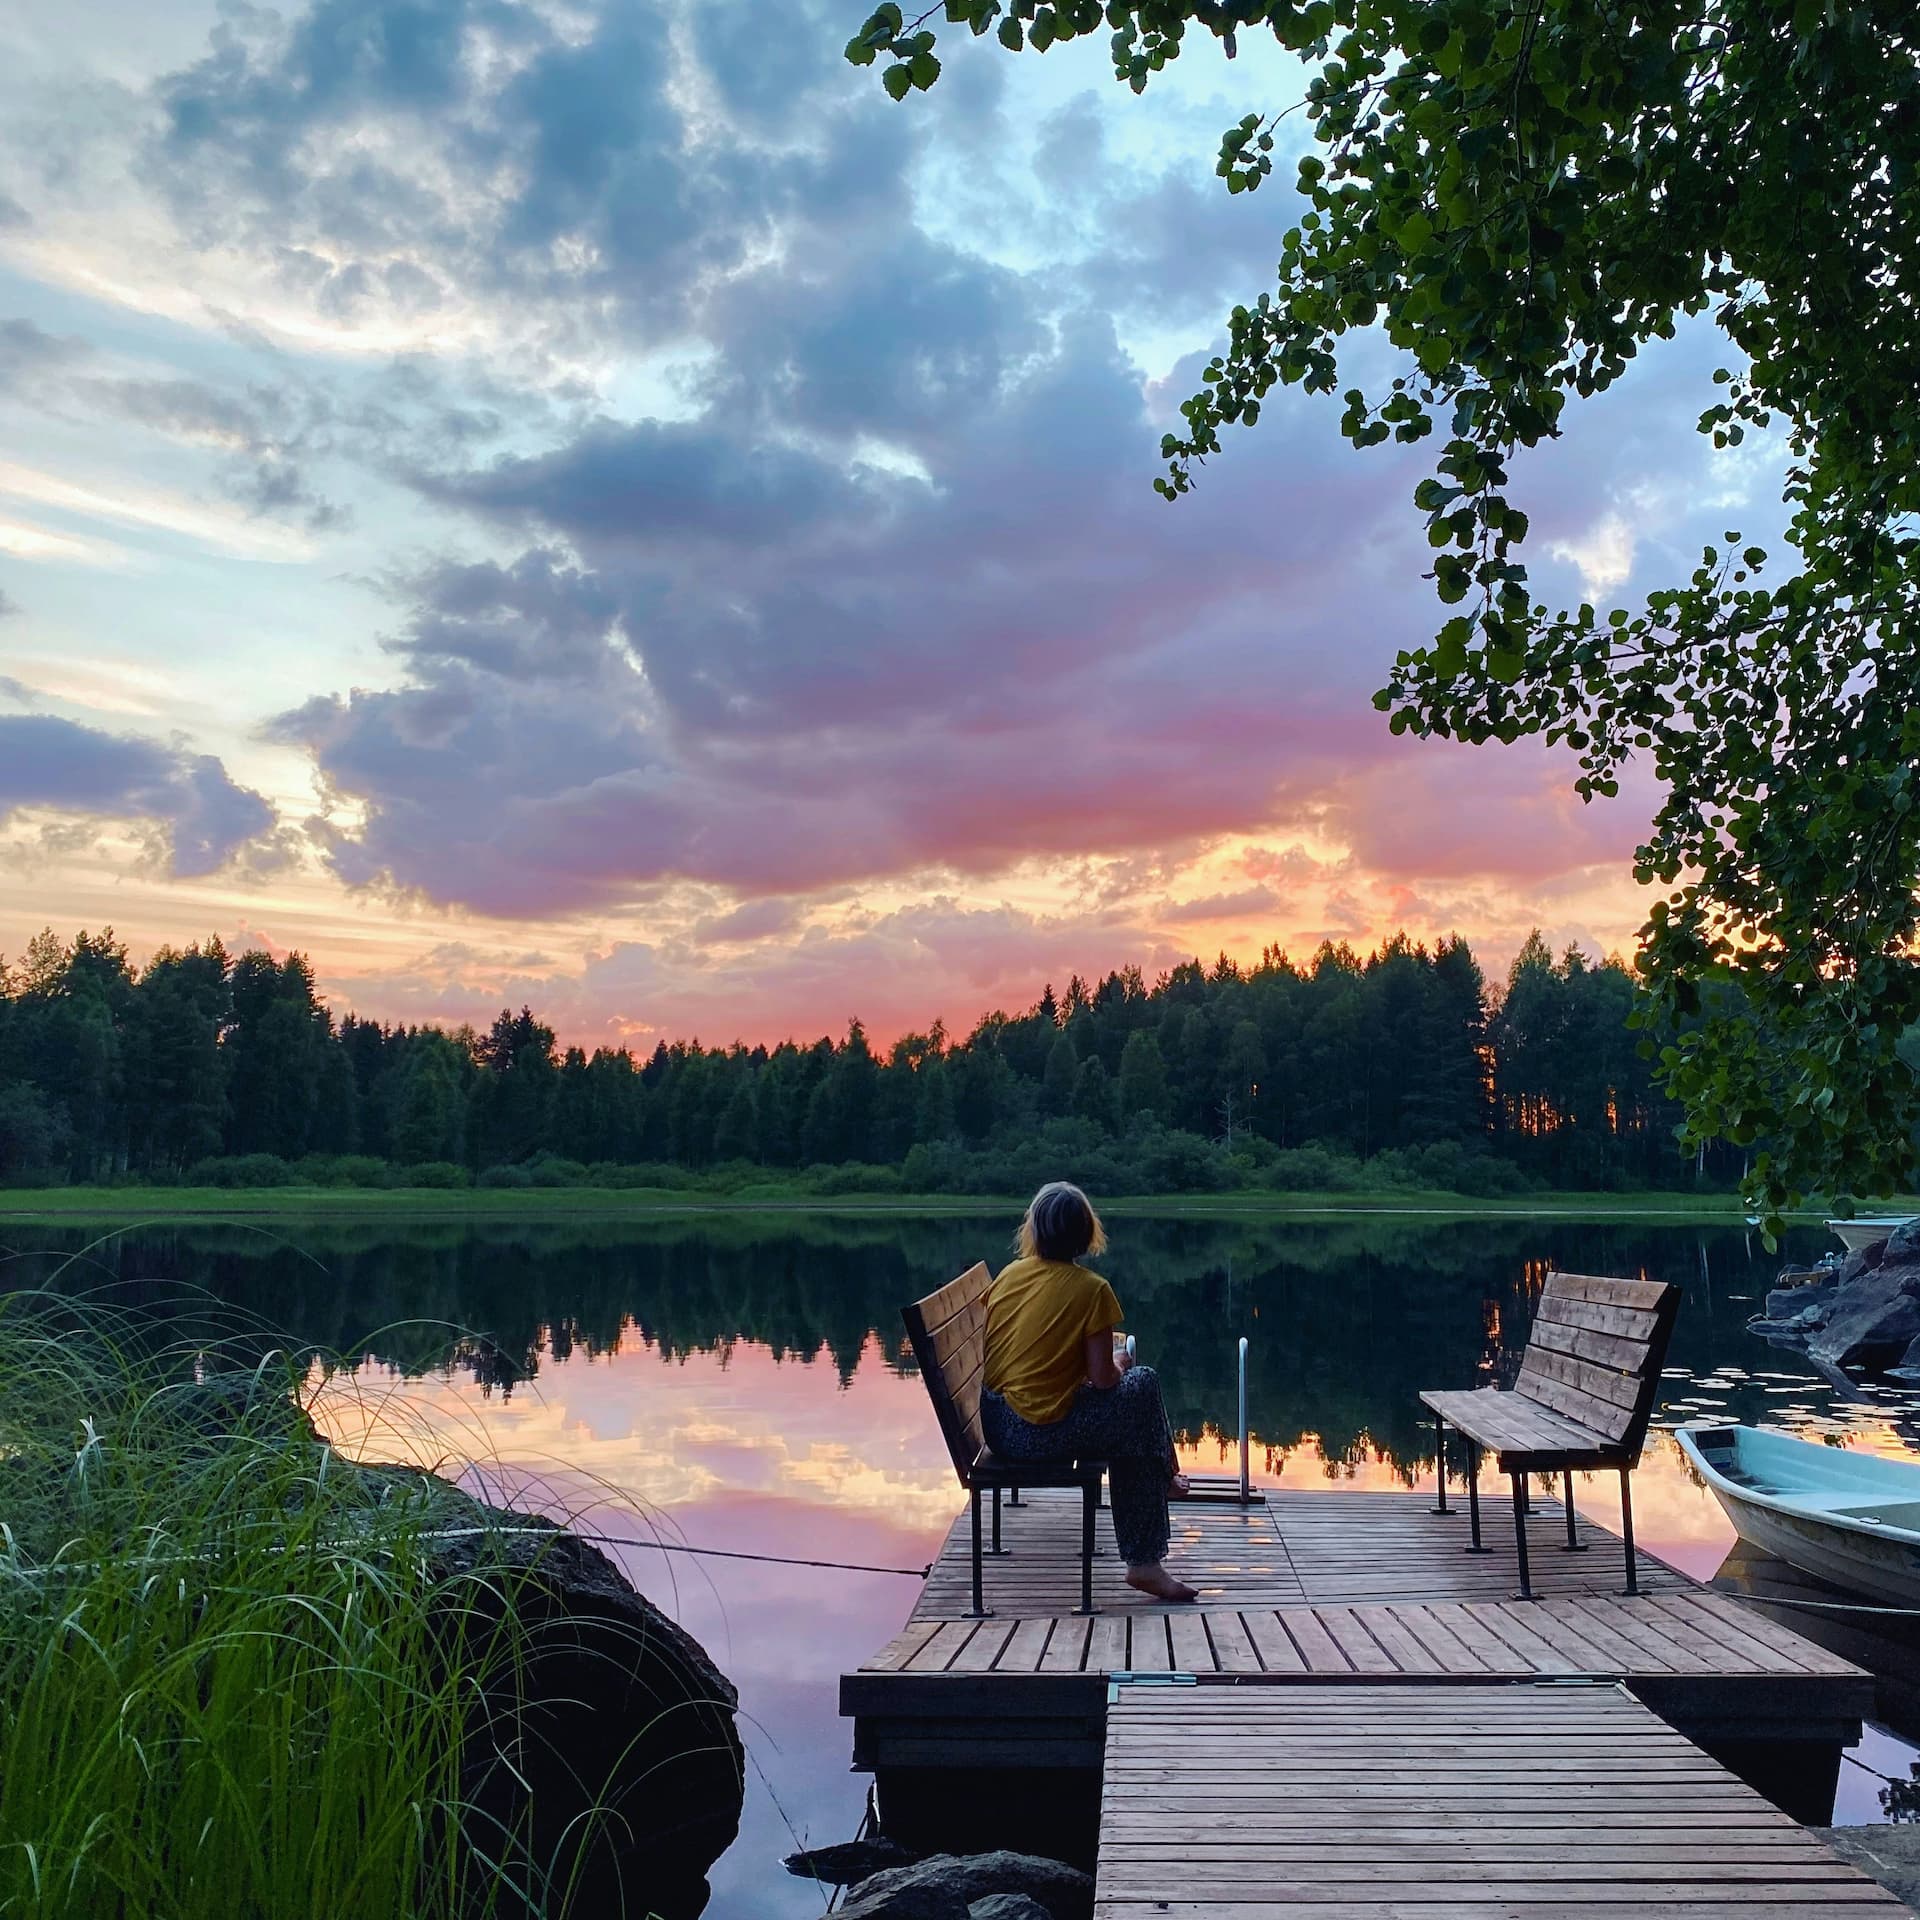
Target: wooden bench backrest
{"x":1596,"y":1351}
{"x":949,"y":1334}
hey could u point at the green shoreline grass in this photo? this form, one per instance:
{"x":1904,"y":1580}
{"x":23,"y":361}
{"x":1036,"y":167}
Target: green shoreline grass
{"x":242,"y":1677}
{"x":165,"y":1203}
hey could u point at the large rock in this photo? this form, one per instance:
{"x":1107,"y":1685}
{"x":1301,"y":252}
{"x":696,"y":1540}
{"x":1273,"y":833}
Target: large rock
{"x":1889,"y":1852}
{"x":1859,"y":1312}
{"x":1007,"y":1906}
{"x":1862,"y":1260}
{"x":1064,"y":1892}
{"x":911,"y":1900}
{"x":1872,"y":1319}
{"x":849,"y":1862}
{"x":615,"y":1712}
{"x":1798,"y":1309}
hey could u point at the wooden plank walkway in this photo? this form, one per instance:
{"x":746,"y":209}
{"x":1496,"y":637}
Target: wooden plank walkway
{"x":1298,"y":1547}
{"x":1482,"y":1802}
{"x":1683,"y":1630}
{"x":1327,"y":1587}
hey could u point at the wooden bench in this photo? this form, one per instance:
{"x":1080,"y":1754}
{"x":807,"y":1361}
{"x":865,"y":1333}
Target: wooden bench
{"x":1583,"y":1399}
{"x":949,"y":1334}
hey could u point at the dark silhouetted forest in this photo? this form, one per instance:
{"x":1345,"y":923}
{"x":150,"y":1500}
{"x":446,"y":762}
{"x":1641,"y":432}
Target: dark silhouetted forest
{"x":1397,"y":1068}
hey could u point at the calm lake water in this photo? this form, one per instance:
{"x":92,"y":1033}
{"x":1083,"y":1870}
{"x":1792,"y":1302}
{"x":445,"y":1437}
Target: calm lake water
{"x":740,"y":1382}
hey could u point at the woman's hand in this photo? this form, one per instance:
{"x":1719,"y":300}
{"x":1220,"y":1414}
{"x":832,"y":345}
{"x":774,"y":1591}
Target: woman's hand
{"x":1106,"y":1359}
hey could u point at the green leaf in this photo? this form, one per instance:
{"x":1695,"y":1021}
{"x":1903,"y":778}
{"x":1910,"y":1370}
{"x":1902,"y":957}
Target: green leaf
{"x":897,"y":79}
{"x":1414,"y":234}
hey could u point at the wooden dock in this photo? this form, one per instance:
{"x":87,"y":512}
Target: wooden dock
{"x":1483,"y":1802}
{"x":1307,"y":1592}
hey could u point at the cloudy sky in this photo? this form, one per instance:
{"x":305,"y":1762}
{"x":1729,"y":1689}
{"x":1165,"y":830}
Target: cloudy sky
{"x":589,"y":500}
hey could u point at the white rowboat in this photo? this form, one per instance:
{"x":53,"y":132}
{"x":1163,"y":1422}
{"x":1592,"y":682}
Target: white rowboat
{"x":1865,"y":1229}
{"x":1847,"y":1518}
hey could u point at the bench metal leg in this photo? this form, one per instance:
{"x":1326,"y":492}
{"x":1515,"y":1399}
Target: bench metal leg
{"x":1574,"y":1543}
{"x":1013,"y":1497}
{"x":1626,"y":1528}
{"x":1089,"y":1506}
{"x":1520,"y":1532}
{"x":999,"y":1552}
{"x":981,"y":1611}
{"x":1440,"y":1460}
{"x":1473,"y":1496}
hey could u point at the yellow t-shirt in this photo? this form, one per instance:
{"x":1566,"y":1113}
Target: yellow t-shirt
{"x":1039,"y":1314}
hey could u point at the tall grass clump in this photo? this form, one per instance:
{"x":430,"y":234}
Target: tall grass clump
{"x":238,"y":1676}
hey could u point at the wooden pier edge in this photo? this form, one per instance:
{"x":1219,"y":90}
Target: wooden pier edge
{"x":1338,"y":1592}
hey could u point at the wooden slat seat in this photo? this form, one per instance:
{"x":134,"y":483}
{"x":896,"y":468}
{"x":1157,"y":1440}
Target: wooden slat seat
{"x":1583,"y":1399}
{"x":1517,"y":1428}
{"x":948,"y":1330}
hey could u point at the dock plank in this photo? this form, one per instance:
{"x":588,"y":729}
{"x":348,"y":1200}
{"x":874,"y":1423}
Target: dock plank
{"x":1471,"y":1802}
{"x":1233,"y":1648}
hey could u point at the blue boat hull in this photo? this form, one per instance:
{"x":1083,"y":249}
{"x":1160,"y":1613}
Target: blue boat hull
{"x":1849,"y":1519}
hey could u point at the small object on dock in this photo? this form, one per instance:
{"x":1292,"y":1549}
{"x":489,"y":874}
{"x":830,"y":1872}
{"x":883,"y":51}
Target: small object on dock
{"x":1246,"y":1449}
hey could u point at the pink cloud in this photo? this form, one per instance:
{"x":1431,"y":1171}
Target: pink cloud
{"x":899,"y":971}
{"x":1213,"y":907}
{"x":1442,"y":811}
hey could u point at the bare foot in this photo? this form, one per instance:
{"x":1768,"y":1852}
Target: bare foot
{"x":1179,"y":1487}
{"x":1156,"y":1580}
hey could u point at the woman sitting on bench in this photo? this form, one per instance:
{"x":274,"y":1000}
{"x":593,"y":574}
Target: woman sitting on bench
{"x":1057,"y":1385}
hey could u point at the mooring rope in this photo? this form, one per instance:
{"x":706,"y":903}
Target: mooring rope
{"x":726,"y":1553}
{"x":1818,"y":1606}
{"x":554,"y":1533}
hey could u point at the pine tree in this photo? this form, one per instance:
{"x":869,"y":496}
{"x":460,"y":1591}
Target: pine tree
{"x":1143,"y":1080}
{"x":1093,"y":1093}
{"x":738,"y":1128}
{"x":1063,"y":1066}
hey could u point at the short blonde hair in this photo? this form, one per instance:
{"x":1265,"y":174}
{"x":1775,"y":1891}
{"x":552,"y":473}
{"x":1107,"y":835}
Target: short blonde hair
{"x":1060,"y":1224}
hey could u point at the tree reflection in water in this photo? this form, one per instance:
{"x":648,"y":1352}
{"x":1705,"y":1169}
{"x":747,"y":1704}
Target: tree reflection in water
{"x":1348,"y":1318}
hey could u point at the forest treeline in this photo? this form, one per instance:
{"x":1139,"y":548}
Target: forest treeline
{"x":1397,"y":1067}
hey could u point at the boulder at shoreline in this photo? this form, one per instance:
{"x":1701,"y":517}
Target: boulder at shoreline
{"x":1862,"y":1314}
{"x":606,"y":1740}
{"x":948,"y":1884}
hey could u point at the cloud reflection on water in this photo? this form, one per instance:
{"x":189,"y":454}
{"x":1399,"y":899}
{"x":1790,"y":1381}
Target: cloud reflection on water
{"x":741,"y":1450}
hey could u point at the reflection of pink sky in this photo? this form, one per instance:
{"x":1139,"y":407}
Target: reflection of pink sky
{"x":745,"y":1452}
{"x":740,"y":1449}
